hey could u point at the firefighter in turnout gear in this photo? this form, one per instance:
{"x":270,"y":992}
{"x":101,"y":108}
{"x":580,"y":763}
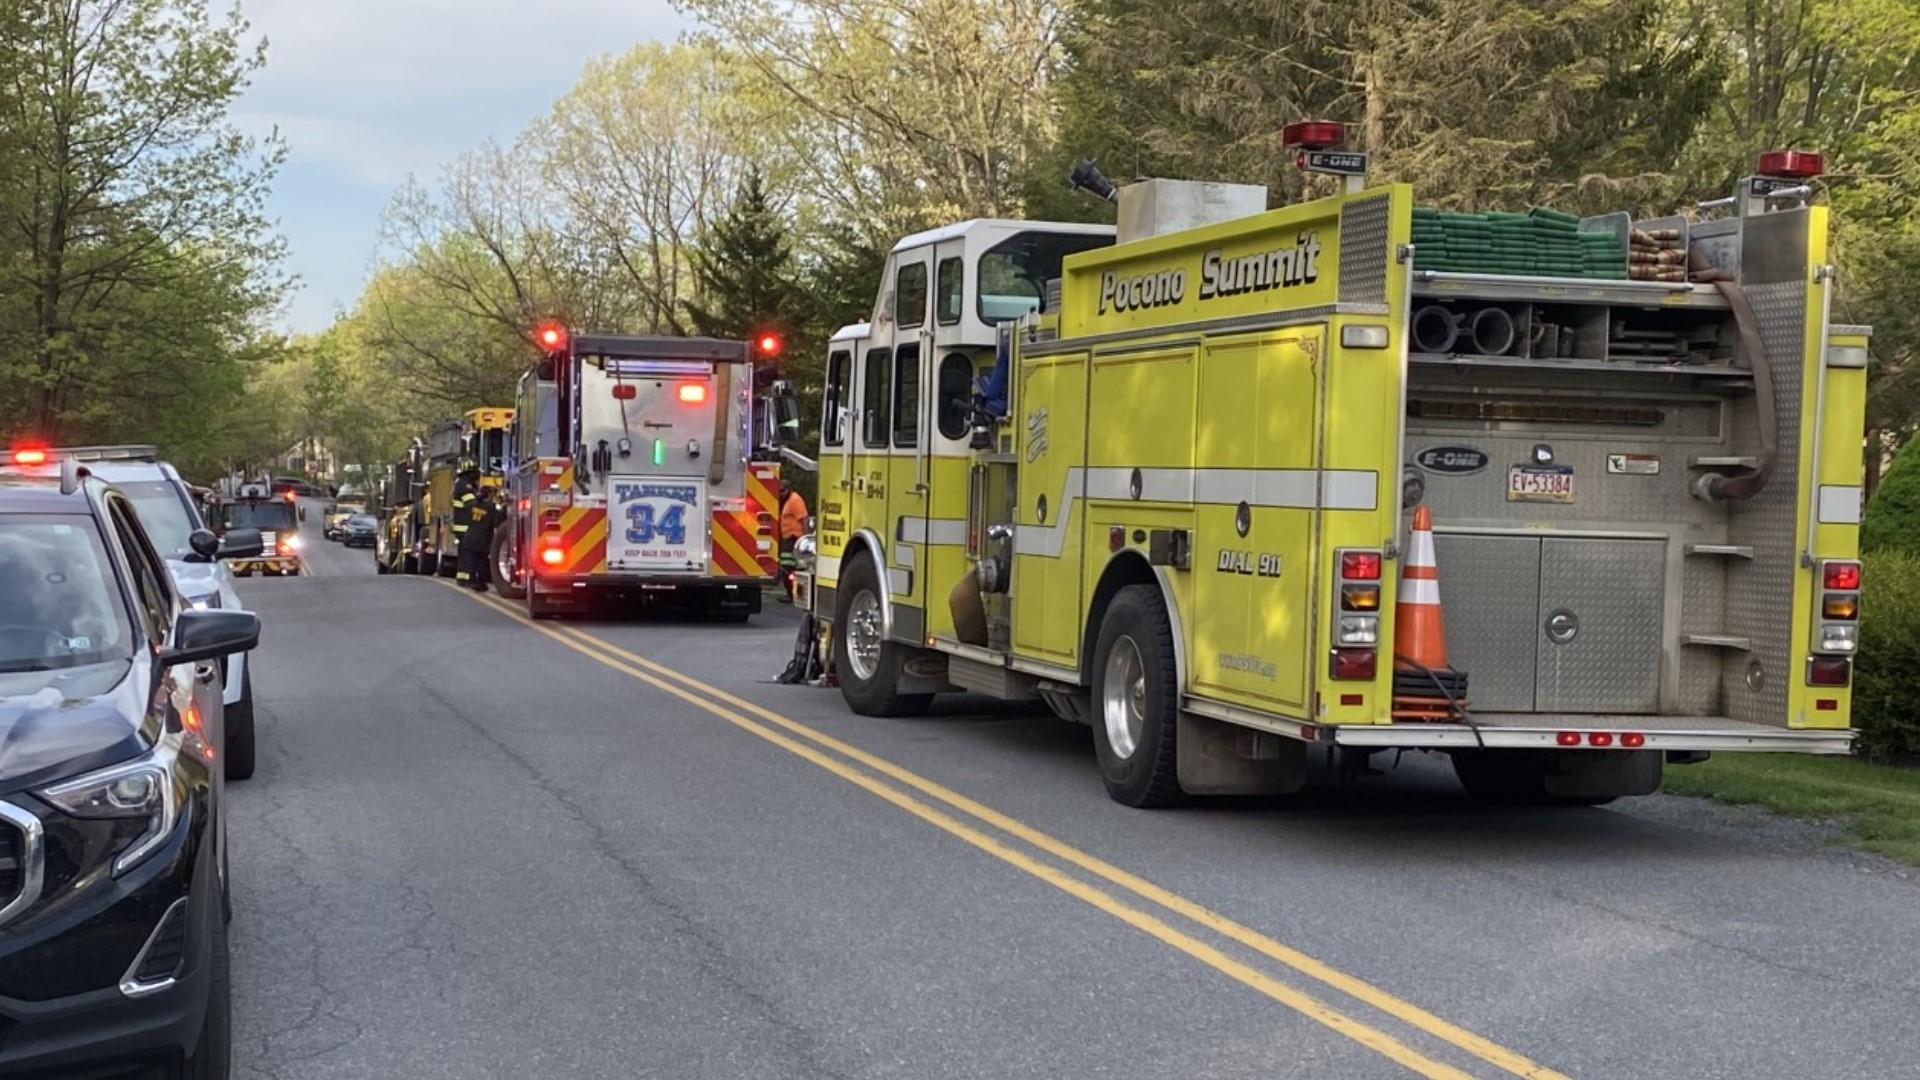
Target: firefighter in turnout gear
{"x":466,"y":496}
{"x":476,"y":547}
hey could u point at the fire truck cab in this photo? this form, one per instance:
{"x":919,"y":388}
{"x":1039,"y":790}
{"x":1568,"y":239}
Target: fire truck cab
{"x":636,"y":468}
{"x":1185,"y":517}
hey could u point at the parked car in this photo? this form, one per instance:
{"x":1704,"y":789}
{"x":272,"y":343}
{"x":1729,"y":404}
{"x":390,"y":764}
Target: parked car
{"x":170,"y":513}
{"x":334,"y":521}
{"x":362,"y":530}
{"x":114,"y":899}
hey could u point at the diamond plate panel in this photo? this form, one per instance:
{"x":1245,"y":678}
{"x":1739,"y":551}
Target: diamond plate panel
{"x":1760,"y":592}
{"x":1703,"y":605}
{"x":1600,"y":499}
{"x":1614,"y":589}
{"x":1363,"y":253}
{"x":1489,"y":593}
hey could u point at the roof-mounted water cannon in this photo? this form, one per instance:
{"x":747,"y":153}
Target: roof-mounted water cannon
{"x":1316,"y":145}
{"x":1087,"y":177}
{"x":1781,"y":180}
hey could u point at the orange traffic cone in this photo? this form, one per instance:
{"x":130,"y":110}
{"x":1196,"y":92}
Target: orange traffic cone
{"x":1425,"y":685}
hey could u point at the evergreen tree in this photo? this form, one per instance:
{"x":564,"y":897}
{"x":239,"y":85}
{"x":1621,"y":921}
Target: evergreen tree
{"x":743,"y":271}
{"x":1892,"y":521}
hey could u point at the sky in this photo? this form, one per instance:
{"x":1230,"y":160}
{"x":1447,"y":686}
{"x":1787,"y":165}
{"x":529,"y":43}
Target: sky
{"x":366,"y":92}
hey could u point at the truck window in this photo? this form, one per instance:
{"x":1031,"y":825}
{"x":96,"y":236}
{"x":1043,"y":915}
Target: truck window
{"x":950,"y":284}
{"x":876,"y":398}
{"x":910,"y":295}
{"x":833,"y":426}
{"x":955,"y":387}
{"x":906,"y":396}
{"x":1014,"y":273}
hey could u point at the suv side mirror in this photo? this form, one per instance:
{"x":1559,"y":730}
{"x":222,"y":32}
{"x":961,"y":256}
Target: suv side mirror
{"x":205,"y":546}
{"x":241,"y":544}
{"x":209,"y":635}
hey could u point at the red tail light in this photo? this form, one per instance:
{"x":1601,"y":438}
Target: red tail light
{"x":1354,"y":663}
{"x":1633,"y":740}
{"x":1360,"y":565}
{"x":1829,"y":670}
{"x":1843,"y":575}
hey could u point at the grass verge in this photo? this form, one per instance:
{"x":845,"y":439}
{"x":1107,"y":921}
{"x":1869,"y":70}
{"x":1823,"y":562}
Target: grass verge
{"x":1880,"y":804}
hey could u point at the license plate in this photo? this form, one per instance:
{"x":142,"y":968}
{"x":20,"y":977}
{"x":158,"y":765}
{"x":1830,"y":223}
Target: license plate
{"x":1532,"y":483}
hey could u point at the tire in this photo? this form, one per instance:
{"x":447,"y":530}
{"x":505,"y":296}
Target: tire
{"x":876,"y":693}
{"x":502,"y":557}
{"x":239,"y":726}
{"x":1135,"y":728}
{"x":212,"y":1057}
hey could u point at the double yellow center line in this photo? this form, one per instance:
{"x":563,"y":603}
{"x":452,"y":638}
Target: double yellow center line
{"x":941,"y":805}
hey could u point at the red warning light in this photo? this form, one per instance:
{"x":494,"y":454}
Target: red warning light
{"x":769,"y":344}
{"x":693,"y":393}
{"x":1791,"y":164}
{"x":32,"y":456}
{"x":551,"y":336}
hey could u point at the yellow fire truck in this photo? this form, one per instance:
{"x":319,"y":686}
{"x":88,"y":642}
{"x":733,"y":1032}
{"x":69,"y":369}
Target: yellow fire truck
{"x":478,"y":437}
{"x":1184,"y":524}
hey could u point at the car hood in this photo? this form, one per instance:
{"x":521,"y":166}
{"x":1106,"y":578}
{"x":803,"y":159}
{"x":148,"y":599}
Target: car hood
{"x":55,"y":724}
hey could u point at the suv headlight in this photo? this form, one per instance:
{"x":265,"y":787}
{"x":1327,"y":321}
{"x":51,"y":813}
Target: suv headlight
{"x":139,"y":800}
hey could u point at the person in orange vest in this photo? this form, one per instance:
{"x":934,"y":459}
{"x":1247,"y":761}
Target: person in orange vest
{"x":793,"y":525}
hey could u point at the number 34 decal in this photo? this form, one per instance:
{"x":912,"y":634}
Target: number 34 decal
{"x":642,"y":528}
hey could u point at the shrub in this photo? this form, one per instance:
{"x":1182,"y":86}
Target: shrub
{"x":1892,"y":521}
{"x":1886,"y":681}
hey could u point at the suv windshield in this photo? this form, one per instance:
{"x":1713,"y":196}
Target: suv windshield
{"x":62,"y":607}
{"x":167,"y":520}
{"x":267,"y":515}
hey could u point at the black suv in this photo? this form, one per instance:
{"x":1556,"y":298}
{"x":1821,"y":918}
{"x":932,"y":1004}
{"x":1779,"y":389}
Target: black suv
{"x":113,"y":894}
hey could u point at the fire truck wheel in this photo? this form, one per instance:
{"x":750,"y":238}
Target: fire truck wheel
{"x":868,"y":665}
{"x":1136,"y":698}
{"x":502,"y":555}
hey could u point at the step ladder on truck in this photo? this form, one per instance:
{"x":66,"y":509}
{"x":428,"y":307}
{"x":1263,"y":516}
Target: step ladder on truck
{"x":642,"y":468}
{"x":1219,"y":461}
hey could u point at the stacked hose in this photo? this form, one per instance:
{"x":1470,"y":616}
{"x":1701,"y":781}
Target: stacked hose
{"x":1539,"y":243}
{"x":1657,"y":255}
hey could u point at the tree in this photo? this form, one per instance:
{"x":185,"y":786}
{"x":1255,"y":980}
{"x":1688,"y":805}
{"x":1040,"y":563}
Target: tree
{"x":930,"y":107}
{"x":135,"y":255}
{"x":1473,"y":101}
{"x":640,"y":154}
{"x":743,"y":270}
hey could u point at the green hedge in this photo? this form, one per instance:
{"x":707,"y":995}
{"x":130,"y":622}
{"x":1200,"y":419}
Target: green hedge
{"x":1886,"y":682}
{"x":1892,"y":520}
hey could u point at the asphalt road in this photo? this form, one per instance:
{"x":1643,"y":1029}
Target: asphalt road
{"x":477,"y":848}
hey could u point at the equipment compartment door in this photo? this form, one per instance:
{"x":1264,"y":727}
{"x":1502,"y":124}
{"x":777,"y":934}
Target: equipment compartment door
{"x":656,"y":524}
{"x":1490,"y":600}
{"x":1600,"y":626}
{"x":1554,"y":625}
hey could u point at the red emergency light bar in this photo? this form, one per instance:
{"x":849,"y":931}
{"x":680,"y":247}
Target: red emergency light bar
{"x":1313,"y":135}
{"x":30,"y":456}
{"x":1791,"y":164}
